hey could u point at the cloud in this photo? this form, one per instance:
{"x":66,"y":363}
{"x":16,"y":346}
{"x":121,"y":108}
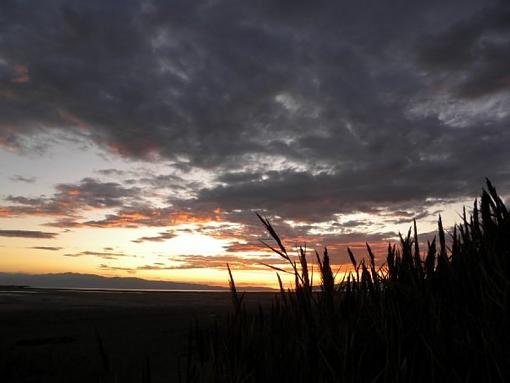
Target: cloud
{"x":27,"y":234}
{"x":185,"y":262}
{"x":18,"y":178}
{"x":293,"y":109}
{"x":473,"y":54}
{"x":99,"y":254}
{"x":161,"y":237}
{"x":111,"y":172}
{"x":141,"y":216}
{"x":239,"y":247}
{"x":235,"y":262}
{"x":311,"y":198}
{"x":95,"y":194}
{"x":49,"y":248}
{"x":117,"y":268}
{"x":71,"y":198}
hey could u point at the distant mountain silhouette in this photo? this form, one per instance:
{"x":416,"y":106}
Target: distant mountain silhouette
{"x":92,"y":281}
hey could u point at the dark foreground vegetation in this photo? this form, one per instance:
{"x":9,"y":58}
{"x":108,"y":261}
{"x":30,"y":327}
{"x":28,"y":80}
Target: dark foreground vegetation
{"x":427,"y":315}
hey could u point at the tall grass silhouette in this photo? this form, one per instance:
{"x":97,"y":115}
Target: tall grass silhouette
{"x":432,"y":316}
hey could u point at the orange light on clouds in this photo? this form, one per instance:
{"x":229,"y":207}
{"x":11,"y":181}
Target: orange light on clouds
{"x":165,"y":243}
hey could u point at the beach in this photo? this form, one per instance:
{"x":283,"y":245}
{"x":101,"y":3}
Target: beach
{"x":51,"y":335}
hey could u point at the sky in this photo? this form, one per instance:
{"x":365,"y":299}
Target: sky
{"x":139,"y":138}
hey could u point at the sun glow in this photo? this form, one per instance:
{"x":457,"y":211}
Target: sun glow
{"x":189,"y":244}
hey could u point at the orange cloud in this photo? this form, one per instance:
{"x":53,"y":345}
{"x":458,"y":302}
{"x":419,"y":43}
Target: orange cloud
{"x":73,"y":192}
{"x":143,"y":217}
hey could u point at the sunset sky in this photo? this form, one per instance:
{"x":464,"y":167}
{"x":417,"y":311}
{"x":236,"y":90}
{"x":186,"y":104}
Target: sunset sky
{"x":139,"y":138}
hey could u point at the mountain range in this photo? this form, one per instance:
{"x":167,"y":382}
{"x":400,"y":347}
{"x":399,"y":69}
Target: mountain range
{"x":92,"y":281}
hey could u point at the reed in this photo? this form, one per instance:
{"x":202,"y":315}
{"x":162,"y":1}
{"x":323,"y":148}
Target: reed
{"x":432,"y":316}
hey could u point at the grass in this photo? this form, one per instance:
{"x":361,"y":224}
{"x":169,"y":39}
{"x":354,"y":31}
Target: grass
{"x":427,"y":315}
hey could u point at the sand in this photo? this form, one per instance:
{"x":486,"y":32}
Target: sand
{"x":50,"y":335}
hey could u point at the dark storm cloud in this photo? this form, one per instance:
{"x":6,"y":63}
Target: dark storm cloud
{"x":27,"y":234}
{"x":475,"y":53}
{"x":240,"y":177}
{"x":303,"y":196}
{"x":300,"y":108}
{"x":96,"y":194}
